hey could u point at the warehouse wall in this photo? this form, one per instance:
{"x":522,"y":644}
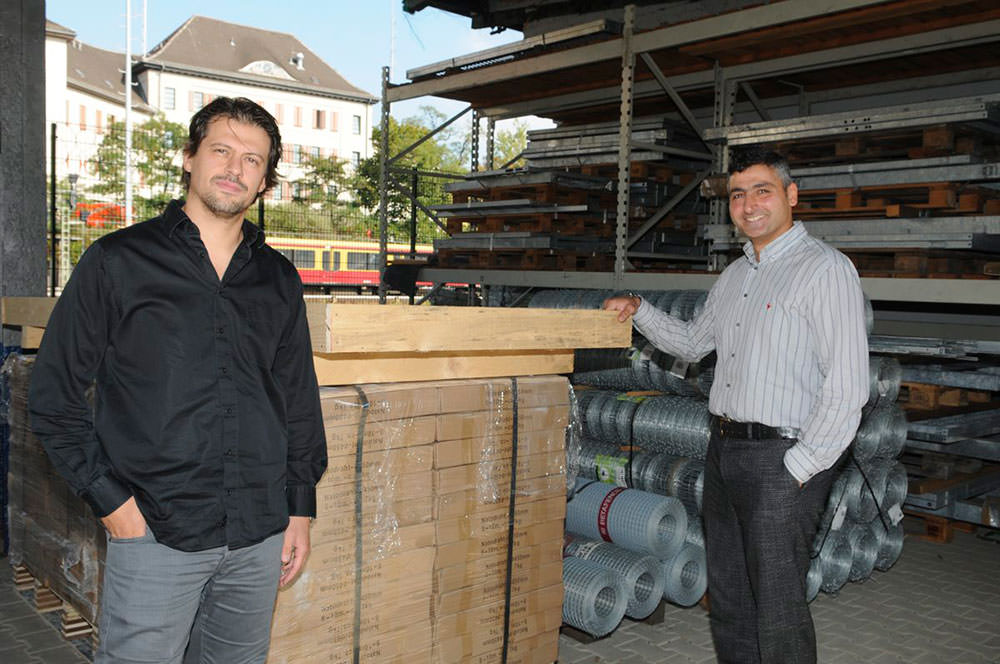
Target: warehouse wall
{"x":22,"y":148}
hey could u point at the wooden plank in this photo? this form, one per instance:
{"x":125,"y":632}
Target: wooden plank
{"x":352,"y":368}
{"x":31,"y":337}
{"x":382,"y":329}
{"x":17,"y":311}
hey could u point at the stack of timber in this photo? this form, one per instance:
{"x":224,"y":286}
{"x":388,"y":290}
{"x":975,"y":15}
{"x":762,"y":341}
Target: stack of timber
{"x":439,"y":529}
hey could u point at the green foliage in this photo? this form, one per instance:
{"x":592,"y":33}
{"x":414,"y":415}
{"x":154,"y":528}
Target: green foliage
{"x":156,"y":145}
{"x":325,"y":178}
{"x":509,"y":143}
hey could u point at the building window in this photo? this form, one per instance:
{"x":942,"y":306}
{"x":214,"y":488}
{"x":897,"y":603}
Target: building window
{"x":276,"y":192}
{"x":333,"y":120}
{"x":97,"y":124}
{"x":279,"y":113}
{"x":298,"y":116}
{"x":197,"y":101}
{"x":356,"y":159}
{"x":296,"y":154}
{"x":319,"y":121}
{"x":169,"y":99}
{"x":314,"y":153}
{"x":83,"y":117}
{"x":356,"y":124}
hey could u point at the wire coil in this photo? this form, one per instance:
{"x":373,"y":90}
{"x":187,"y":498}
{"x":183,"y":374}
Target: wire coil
{"x":835,"y":559}
{"x":895,"y":487}
{"x":594,"y":597}
{"x":674,"y":425}
{"x":685,"y":577}
{"x":884,"y":377}
{"x":864,"y":549}
{"x":890,"y":549}
{"x":642,"y":575}
{"x":636,"y":520}
{"x":814,"y":579}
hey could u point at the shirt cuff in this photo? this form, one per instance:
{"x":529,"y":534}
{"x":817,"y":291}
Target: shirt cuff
{"x":800,"y":463}
{"x":644,"y":313}
{"x":301,"y":500}
{"x":105,"y":495}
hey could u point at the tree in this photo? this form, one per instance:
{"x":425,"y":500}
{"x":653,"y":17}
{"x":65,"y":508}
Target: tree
{"x":509,"y":143}
{"x":156,"y":145}
{"x":325,"y":178}
{"x":435,"y":154}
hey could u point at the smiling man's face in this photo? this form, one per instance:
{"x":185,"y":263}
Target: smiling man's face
{"x":229,"y":168}
{"x":760,"y":205}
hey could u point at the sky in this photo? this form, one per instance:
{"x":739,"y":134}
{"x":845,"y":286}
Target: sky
{"x":352,"y":37}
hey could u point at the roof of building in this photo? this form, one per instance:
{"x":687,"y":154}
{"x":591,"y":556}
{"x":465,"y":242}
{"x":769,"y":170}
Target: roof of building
{"x":53,"y":29}
{"x":212,"y":48}
{"x":98,"y":72}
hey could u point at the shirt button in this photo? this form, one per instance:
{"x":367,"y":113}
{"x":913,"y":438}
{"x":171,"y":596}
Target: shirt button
{"x":224,"y":370}
{"x":229,"y":492}
{"x":220,"y":330}
{"x":230,"y":452}
{"x":229,"y":411}
{"x":732,"y":355}
{"x":728,"y":385}
{"x":737,"y":325}
{"x":744,"y":294}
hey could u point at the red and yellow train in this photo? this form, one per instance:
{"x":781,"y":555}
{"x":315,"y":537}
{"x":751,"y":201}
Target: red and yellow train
{"x":339,"y":263}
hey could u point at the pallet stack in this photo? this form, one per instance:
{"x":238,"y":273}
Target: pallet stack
{"x":54,"y":537}
{"x":434,"y":483}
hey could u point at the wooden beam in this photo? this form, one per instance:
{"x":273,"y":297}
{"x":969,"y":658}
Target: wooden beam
{"x":353,"y":368}
{"x":31,"y":337}
{"x":384,"y":329}
{"x":19,"y":311}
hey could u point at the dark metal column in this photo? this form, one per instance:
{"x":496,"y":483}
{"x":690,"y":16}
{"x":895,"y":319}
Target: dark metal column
{"x":383,"y":187}
{"x":624,"y":147}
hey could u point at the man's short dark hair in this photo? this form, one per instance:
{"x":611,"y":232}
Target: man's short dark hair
{"x":741,"y":159}
{"x":242,"y":110}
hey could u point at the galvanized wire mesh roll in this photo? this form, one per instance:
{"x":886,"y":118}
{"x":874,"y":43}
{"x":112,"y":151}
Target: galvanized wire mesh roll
{"x":895,"y":427}
{"x":607,"y":416}
{"x":890,"y":548}
{"x":688,"y":304}
{"x":594,"y":597}
{"x":674,"y":425}
{"x":664,"y":300}
{"x":814,"y":579}
{"x":835,"y":501}
{"x":884,"y":376}
{"x":685,"y":578}
{"x":836,"y":558}
{"x":636,"y":520}
{"x":864,"y":491}
{"x":642,"y":575}
{"x":869,"y":316}
{"x":606,"y":462}
{"x":864,"y":549}
{"x":705,"y":379}
{"x":895,"y":487}
{"x":695,"y":532}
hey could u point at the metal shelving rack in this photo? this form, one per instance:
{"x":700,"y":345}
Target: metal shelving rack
{"x":696,"y":68}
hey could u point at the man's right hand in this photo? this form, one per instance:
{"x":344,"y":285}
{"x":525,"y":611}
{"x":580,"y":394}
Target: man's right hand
{"x":625,"y":305}
{"x":126,"y":522}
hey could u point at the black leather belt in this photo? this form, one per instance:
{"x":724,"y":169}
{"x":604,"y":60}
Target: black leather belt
{"x":728,"y":428}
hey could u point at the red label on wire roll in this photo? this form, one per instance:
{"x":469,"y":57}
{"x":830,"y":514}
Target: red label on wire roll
{"x":602,"y":513}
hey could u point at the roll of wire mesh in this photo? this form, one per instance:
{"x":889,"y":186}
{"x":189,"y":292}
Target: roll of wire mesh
{"x":865,"y":491}
{"x":890,"y":548}
{"x":642,"y":575}
{"x":607,"y":416}
{"x":688,"y":304}
{"x":895,"y":487}
{"x":884,"y":376}
{"x":636,"y":520}
{"x":895,"y":427}
{"x":695,"y":532}
{"x":606,"y":462}
{"x":685,"y":578}
{"x":673,"y":424}
{"x":814,"y":579}
{"x":864,"y":549}
{"x":594,"y":597}
{"x":835,"y":559}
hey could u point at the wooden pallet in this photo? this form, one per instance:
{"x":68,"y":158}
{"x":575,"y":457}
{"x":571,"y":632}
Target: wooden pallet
{"x":937,"y":529}
{"x":917,"y":263}
{"x":921,"y":396}
{"x":72,"y":624}
{"x":523,"y":259}
{"x":897,"y":201}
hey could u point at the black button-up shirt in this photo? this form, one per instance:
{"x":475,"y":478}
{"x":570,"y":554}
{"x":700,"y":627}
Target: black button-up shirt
{"x":207,"y":409}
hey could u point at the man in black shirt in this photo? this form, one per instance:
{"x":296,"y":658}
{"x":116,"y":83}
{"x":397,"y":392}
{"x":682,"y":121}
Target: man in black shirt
{"x":206,"y":441}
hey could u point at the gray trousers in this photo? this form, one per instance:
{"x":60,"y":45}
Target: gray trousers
{"x":168,"y":606}
{"x":759,"y":528}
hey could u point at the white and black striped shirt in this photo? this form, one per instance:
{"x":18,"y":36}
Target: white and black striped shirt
{"x":789,"y":331}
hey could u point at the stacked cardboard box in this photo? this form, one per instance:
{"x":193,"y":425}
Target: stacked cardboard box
{"x":53,"y":532}
{"x":432,"y":497}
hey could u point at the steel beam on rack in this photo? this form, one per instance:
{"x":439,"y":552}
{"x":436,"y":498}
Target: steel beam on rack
{"x":956,"y":427}
{"x":987,"y":379}
{"x":984,"y":483}
{"x":754,"y":18}
{"x":972,"y":511}
{"x":666,"y":208}
{"x":671,"y":149}
{"x":755,"y":101}
{"x":983,"y":111}
{"x":682,"y":107}
{"x":980,"y":448}
{"x":957,"y":168}
{"x":486,"y":180}
{"x":517,"y":206}
{"x":927,"y":346}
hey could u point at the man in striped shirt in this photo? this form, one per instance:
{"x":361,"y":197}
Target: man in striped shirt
{"x":787,"y":321}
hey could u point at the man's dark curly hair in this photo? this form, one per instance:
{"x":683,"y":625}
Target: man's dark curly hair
{"x":741,"y":159}
{"x":242,"y":110}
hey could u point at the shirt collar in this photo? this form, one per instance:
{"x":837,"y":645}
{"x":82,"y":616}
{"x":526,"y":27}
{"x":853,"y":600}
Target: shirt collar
{"x":778,"y":246}
{"x":174,"y":216}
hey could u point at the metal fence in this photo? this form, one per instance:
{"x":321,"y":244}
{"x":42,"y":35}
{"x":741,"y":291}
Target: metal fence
{"x":86,"y":196}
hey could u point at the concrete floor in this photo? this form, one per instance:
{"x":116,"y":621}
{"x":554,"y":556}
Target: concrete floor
{"x":940,"y":604}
